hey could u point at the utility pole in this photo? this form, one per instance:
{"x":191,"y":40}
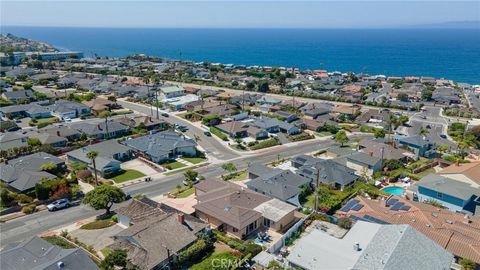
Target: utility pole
{"x":156,"y":101}
{"x":383,"y":150}
{"x":243,"y":100}
{"x":316,"y":191}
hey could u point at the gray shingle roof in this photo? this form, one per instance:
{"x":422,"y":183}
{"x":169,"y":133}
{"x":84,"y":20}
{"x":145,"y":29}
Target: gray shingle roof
{"x":161,"y":143}
{"x":106,"y":151}
{"x":24,"y":172}
{"x":448,"y":186}
{"x":331,"y":172}
{"x":95,"y":129}
{"x":37,"y":254}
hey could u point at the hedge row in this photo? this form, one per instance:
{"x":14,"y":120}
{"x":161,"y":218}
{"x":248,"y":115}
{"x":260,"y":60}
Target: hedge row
{"x":218,"y":133}
{"x":265,"y":144}
{"x":246,"y":247}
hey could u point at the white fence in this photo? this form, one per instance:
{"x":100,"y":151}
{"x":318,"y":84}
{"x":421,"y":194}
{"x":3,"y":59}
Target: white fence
{"x":281,"y":242}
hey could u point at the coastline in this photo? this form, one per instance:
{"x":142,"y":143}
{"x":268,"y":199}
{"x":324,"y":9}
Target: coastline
{"x":387,"y":52}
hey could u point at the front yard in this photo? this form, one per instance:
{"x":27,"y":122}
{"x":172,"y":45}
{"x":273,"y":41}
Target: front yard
{"x":127,"y":175}
{"x":185,"y":193}
{"x":194,"y":160}
{"x":172,"y":165}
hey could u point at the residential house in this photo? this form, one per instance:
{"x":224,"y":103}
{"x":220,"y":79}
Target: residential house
{"x":331,"y":172}
{"x":457,"y":233}
{"x":317,"y":124}
{"x":314,"y":110}
{"x":171,"y":91}
{"x":62,"y":131}
{"x":162,"y":146}
{"x":289,"y":117}
{"x":221,"y":110}
{"x":69,"y":109}
{"x":446,"y":95}
{"x":369,"y":246}
{"x":32,"y":110}
{"x":267,"y":100}
{"x":238,"y":129}
{"x":38,"y":254}
{"x":280,"y":184}
{"x":419,"y":145}
{"x":382,"y":150}
{"x":99,"y":104}
{"x":463,"y":172}
{"x":273,"y":125}
{"x":110,"y":155}
{"x":245,"y":99}
{"x":47,"y":138}
{"x":363,"y":163}
{"x":238,"y":211}
{"x":18,"y":95}
{"x":454,"y":195}
{"x":155,"y":236}
{"x":102,"y":130}
{"x":147,"y":121}
{"x":10,"y":140}
{"x":23,"y":173}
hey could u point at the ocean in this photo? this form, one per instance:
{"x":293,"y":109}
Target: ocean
{"x":441,"y":53}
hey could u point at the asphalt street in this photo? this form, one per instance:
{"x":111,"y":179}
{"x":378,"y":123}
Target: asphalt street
{"x":438,"y":125}
{"x":37,"y":223}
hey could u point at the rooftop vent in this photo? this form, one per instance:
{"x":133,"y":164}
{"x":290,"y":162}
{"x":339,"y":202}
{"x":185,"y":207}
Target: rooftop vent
{"x":356,"y":247}
{"x":60,"y":265}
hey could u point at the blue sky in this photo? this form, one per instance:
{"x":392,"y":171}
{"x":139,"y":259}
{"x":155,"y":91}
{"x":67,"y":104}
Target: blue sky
{"x":237,"y":14}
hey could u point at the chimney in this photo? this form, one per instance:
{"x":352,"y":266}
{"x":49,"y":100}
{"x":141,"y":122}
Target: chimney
{"x":181,"y":218}
{"x":58,"y":133}
{"x":370,"y":154}
{"x":356,"y":247}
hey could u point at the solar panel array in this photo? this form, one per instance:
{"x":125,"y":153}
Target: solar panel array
{"x":349,"y":205}
{"x":397,"y":206}
{"x":374,"y":220}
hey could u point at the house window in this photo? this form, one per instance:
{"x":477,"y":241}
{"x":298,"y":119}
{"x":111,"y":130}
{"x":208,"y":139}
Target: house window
{"x":251,"y":227}
{"x":439,"y":195}
{"x":235,"y":229}
{"x":266,"y":222}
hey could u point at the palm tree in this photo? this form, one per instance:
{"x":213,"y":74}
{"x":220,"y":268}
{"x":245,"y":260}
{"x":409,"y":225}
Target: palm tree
{"x":92,"y":155}
{"x":146,"y":79}
{"x":156,"y":80}
{"x":105,"y":114}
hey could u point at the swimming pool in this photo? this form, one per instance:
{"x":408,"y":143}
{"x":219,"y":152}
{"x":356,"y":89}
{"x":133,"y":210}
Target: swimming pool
{"x":394,"y":190}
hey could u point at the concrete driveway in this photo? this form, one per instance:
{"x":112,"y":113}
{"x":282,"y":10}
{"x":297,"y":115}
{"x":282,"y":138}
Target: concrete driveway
{"x":100,"y":238}
{"x":138,"y":165}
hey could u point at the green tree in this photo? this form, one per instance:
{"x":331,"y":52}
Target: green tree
{"x":263,"y":87}
{"x":423,"y":132}
{"x":402,"y":97}
{"x":103,"y":197}
{"x":427,"y":94}
{"x":49,"y":167}
{"x":442,"y":148}
{"x":5,"y":199}
{"x":92,"y":155}
{"x":380,"y":133}
{"x":403,"y":119}
{"x":33,"y":142}
{"x":229,"y":167}
{"x":341,"y":137}
{"x":344,"y":223}
{"x":190,"y":175}
{"x":117,"y":257}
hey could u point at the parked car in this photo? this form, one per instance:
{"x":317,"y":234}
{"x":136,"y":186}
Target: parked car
{"x":182,"y":128}
{"x":443,"y":136}
{"x":207,"y":133}
{"x":59,"y":204}
{"x":186,"y":183}
{"x":429,"y":127}
{"x":164,"y":114}
{"x":423,"y":117}
{"x":18,"y":120}
{"x":67,"y":119}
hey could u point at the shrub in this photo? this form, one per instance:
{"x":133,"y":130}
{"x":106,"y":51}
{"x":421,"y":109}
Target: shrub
{"x":117,"y":257}
{"x":84,"y":175}
{"x":344,"y":223}
{"x":193,"y":253}
{"x":265,"y":144}
{"x":467,"y":264}
{"x":23,"y":198}
{"x":42,"y":125}
{"x":29,"y":209}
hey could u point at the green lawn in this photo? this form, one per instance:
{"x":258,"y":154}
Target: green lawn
{"x":173,"y":165}
{"x":48,"y":120}
{"x":127,"y":175}
{"x":194,"y":160}
{"x":185,"y":193}
{"x":214,"y":261}
{"x":426,"y":172}
{"x":106,"y":251}
{"x":98,"y":224}
{"x":323,"y":133}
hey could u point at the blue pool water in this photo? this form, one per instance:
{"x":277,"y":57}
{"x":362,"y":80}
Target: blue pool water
{"x":397,"y":191}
